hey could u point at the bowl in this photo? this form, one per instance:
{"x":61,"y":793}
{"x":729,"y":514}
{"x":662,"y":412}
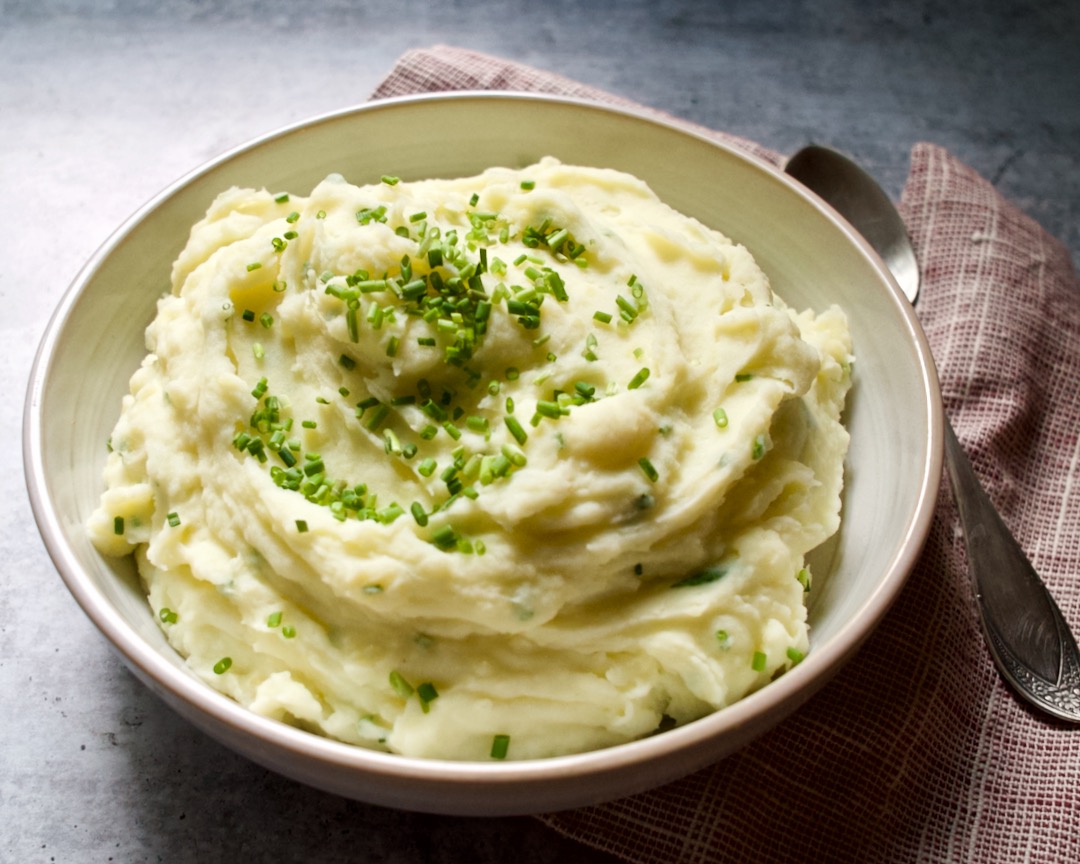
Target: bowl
{"x":94,"y":341}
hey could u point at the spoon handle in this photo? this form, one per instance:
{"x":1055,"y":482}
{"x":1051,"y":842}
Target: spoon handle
{"x":1034,"y":649}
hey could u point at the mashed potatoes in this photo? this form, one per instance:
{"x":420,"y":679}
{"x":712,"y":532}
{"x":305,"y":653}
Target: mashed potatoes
{"x":500,"y":467}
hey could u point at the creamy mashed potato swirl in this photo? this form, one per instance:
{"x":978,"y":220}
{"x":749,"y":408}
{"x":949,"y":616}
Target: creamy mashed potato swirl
{"x":507,"y":466}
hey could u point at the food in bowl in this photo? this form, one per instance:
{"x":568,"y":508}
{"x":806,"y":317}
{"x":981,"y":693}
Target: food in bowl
{"x":498,"y":467}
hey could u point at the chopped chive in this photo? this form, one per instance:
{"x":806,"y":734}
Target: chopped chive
{"x":758,"y":450}
{"x":309,"y":424}
{"x":804,"y":578}
{"x":301,"y":526}
{"x":283,"y":198}
{"x":222,"y":665}
{"x":347,"y":361}
{"x":500,"y":745}
{"x":702,"y":577}
{"x":402,"y":687}
{"x":257,"y":350}
{"x":173,"y":519}
{"x":417,"y":510}
{"x":248,"y":315}
{"x":427,"y":694}
{"x":549,"y":409}
{"x":427,"y":467}
{"x":267,"y":320}
{"x":759,"y":661}
{"x":638,"y":379}
{"x":167,"y":615}
{"x":254,"y":265}
{"x":118,"y":525}
{"x":795,"y":656}
{"x":288,"y":631}
{"x":720,"y":416}
{"x":516,"y":430}
{"x":528,"y":185}
{"x":648,"y":468}
{"x":445,"y":538}
{"x":390,"y":180}
{"x":274,"y":619}
{"x":590,"y":348}
{"x":377,"y":417}
{"x":477,"y":424}
{"x":603,"y":317}
{"x":743,"y":376}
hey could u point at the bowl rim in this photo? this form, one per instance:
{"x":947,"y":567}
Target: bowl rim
{"x":794,"y":687}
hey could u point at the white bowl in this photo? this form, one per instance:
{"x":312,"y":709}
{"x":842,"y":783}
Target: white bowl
{"x":95,"y":341}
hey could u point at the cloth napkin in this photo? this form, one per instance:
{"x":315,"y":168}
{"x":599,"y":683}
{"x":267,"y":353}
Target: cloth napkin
{"x":916,"y":751}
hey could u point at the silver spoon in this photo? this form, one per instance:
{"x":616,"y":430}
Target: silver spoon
{"x":1025,"y":631}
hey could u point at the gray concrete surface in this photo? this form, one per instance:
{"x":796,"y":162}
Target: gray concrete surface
{"x":104,"y":103}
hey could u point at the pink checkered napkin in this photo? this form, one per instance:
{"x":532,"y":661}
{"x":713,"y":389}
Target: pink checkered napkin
{"x":916,"y":751}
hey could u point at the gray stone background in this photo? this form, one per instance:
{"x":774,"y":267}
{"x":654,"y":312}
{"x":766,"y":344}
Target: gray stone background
{"x":104,"y":103}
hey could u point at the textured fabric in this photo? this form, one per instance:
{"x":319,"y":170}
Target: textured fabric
{"x":916,"y":751}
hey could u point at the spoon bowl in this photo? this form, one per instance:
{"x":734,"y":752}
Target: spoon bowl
{"x":856,"y":196}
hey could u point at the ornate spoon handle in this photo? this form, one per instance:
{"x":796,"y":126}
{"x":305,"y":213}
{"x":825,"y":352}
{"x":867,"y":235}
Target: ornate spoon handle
{"x":1025,"y":631}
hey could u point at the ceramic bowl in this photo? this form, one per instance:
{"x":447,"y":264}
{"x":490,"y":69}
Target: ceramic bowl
{"x":94,"y":341}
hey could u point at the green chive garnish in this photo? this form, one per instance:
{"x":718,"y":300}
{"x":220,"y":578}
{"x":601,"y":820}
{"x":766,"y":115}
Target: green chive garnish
{"x":648,"y":468}
{"x":301,"y":526}
{"x":417,"y":510}
{"x":758,"y":663}
{"x":167,"y":615}
{"x":118,"y":525}
{"x":720,"y":416}
{"x":702,"y":577}
{"x":804,"y":578}
{"x":222,"y":665}
{"x":173,"y":520}
{"x":500,"y":745}
{"x":638,"y":379}
{"x":402,"y":687}
{"x":274,"y":619}
{"x":516,"y":430}
{"x":427,"y":694}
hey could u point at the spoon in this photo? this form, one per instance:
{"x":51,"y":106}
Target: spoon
{"x":1025,"y":632}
